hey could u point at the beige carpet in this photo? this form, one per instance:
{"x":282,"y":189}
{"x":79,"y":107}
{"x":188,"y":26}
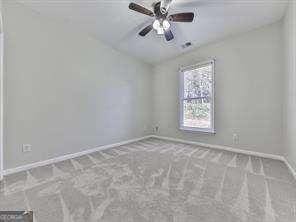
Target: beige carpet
{"x":155,"y":181}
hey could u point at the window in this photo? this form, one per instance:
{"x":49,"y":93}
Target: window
{"x":197,"y":97}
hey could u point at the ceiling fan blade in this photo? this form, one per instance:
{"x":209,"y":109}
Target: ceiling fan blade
{"x":182,"y":17}
{"x":168,"y":35}
{"x":146,"y":30}
{"x":140,"y":9}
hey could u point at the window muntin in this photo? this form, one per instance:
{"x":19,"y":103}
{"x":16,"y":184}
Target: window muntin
{"x":197,"y":97}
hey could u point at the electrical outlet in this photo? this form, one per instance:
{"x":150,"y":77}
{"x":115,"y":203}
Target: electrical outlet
{"x":27,"y":148}
{"x":235,"y":138}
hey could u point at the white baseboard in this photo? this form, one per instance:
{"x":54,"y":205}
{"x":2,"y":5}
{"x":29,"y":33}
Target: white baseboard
{"x":70,"y":156}
{"x":232,"y":149}
{"x":226,"y":148}
{"x":218,"y":147}
{"x":293,"y":171}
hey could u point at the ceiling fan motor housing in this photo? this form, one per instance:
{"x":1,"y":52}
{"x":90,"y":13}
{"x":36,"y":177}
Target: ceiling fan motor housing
{"x":164,"y":6}
{"x":159,"y":12}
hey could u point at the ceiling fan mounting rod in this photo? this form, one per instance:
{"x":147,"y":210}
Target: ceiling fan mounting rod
{"x":164,"y":6}
{"x":158,"y":13}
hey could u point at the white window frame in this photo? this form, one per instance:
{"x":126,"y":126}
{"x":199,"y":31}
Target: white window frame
{"x":181,"y":98}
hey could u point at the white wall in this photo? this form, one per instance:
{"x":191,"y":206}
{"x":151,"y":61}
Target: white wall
{"x":249,"y":91}
{"x":1,"y":90}
{"x":290,"y":83}
{"x":67,"y":92}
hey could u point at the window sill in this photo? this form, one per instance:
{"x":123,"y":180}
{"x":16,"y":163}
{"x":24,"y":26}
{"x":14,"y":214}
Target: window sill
{"x":195,"y":129}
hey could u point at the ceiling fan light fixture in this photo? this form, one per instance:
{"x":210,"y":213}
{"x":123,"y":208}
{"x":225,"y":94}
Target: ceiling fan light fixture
{"x":165,"y":24}
{"x":156,"y":24}
{"x":161,"y":26}
{"x":160,"y":31}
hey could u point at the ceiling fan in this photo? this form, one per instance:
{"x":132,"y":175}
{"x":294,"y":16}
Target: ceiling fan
{"x":162,"y":20}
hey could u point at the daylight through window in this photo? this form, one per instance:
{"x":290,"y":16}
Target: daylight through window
{"x":196,"y":97}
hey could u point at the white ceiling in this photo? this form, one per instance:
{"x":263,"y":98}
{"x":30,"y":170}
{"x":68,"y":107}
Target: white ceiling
{"x":112,"y":22}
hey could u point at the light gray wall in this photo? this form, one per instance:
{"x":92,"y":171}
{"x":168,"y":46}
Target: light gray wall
{"x":67,"y":92}
{"x":1,"y":92}
{"x":290,"y":83}
{"x":249,"y":91}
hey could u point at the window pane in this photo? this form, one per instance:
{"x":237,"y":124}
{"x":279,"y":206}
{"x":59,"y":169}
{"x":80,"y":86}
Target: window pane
{"x":198,"y":82}
{"x":197,"y":113}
